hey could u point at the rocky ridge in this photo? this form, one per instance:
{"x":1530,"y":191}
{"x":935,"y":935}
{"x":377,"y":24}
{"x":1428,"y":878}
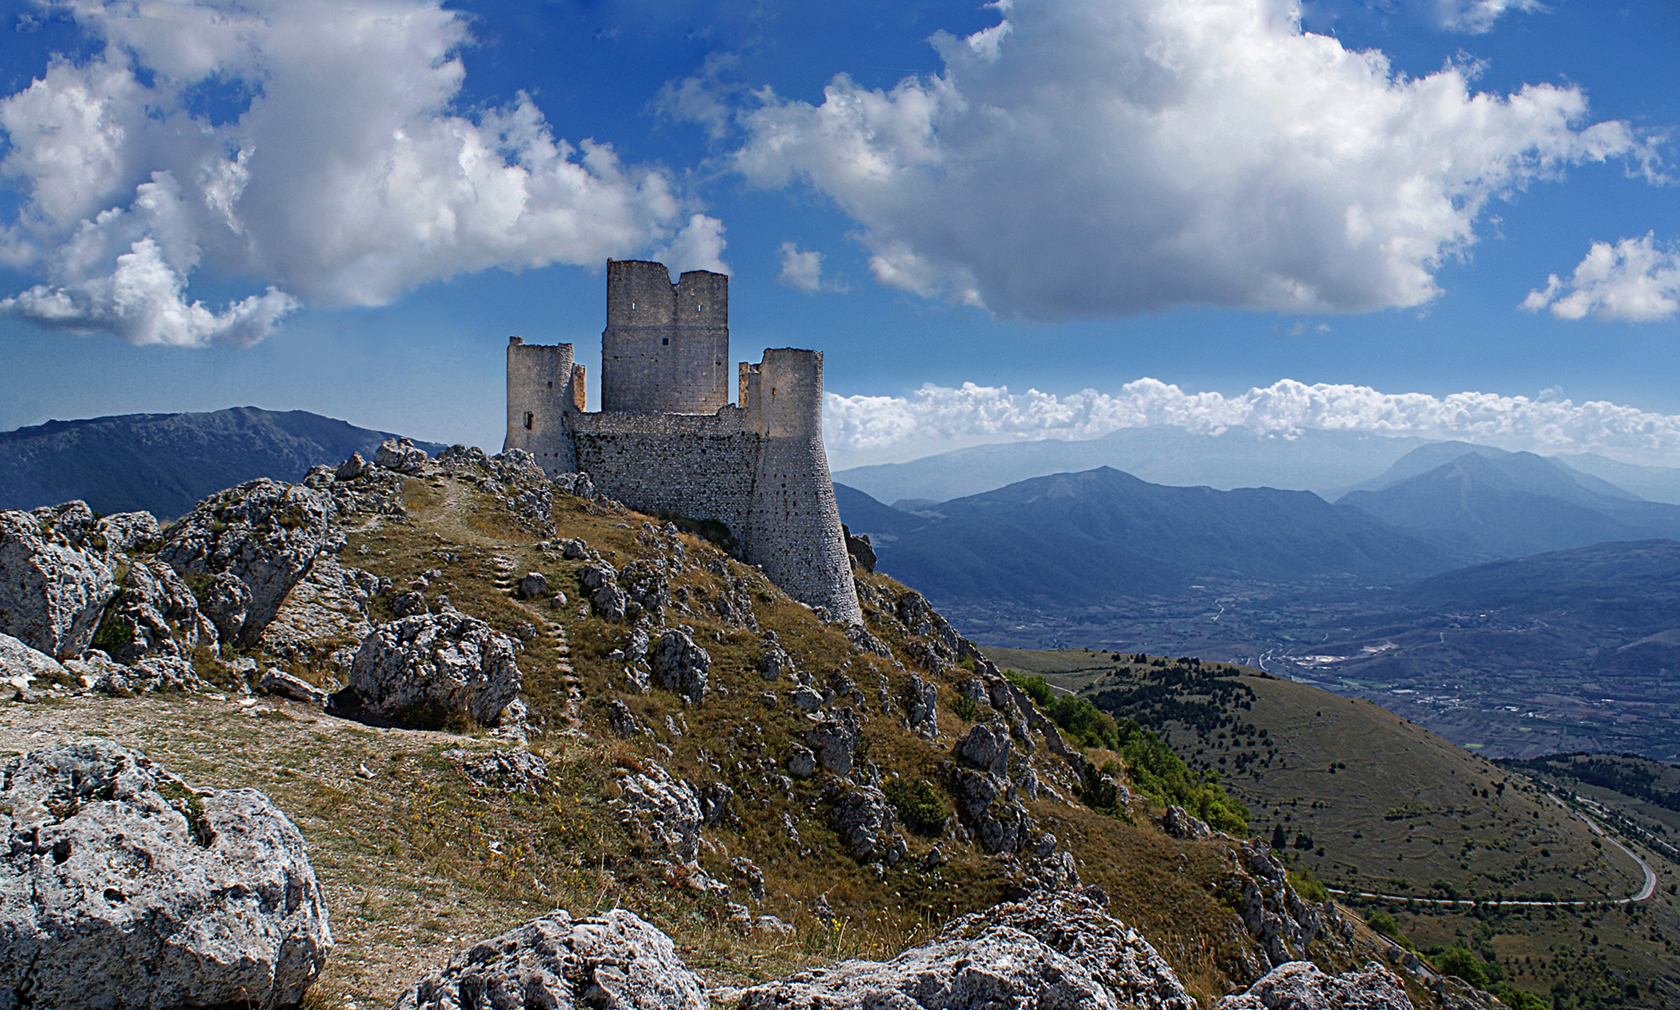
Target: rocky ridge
{"x":725,"y":699}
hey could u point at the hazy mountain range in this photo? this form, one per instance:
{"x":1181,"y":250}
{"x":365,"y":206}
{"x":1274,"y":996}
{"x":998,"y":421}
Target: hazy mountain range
{"x":1328,"y":463}
{"x":164,"y":463}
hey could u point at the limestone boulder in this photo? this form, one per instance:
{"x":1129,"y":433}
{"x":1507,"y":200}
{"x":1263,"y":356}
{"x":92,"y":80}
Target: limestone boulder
{"x":922,"y":707}
{"x":154,"y":616}
{"x":125,"y":887}
{"x":664,"y":807}
{"x":51,"y":590}
{"x":352,"y":468}
{"x":401,"y":455}
{"x":325,"y":617}
{"x":865,"y":822}
{"x":1301,"y":985}
{"x":20,"y":665}
{"x":124,"y":532}
{"x":834,"y":741}
{"x":508,"y":771}
{"x":681,"y":666}
{"x":1049,"y":950}
{"x":1180,"y":823}
{"x":264,"y":533}
{"x":614,"y":961}
{"x":431,"y":669}
{"x":533,"y":585}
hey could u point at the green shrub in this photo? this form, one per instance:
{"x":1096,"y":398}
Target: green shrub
{"x":1462,"y":962}
{"x":965,"y":708}
{"x":1163,"y":776}
{"x":1308,"y":887}
{"x":918,"y":806}
{"x":1088,"y":725}
{"x":1519,"y":999}
{"x":1037,"y":688}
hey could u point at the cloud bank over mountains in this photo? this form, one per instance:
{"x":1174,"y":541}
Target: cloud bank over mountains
{"x":937,"y":418}
{"x":307,"y":144}
{"x":1110,"y":157}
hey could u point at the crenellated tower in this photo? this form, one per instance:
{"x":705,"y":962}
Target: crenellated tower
{"x":666,"y":346}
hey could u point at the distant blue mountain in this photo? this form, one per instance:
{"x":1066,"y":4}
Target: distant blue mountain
{"x":164,"y":463}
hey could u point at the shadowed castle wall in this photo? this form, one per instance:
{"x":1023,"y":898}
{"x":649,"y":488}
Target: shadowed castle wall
{"x":666,"y":346}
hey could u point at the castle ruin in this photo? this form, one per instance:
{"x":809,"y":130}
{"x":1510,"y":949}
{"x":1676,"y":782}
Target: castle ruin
{"x":668,"y":441}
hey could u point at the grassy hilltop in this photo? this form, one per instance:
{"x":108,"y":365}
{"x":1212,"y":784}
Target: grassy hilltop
{"x":1368,"y":802}
{"x":419,"y":861}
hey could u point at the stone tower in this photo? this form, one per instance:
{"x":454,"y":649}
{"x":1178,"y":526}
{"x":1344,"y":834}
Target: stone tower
{"x":543,"y":384}
{"x":666,"y":346}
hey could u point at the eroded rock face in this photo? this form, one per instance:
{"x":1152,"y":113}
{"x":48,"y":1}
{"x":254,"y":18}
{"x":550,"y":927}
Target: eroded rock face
{"x":155,"y":615}
{"x":666,"y":808}
{"x":1300,"y":985}
{"x":401,"y":455}
{"x":325,"y":617}
{"x":19,"y":664}
{"x":265,"y":533}
{"x":922,"y":707}
{"x":125,"y":887}
{"x":430,"y":668}
{"x":614,"y":961}
{"x":834,"y":740}
{"x":1046,"y":953}
{"x":681,"y":666}
{"x":51,"y":590}
{"x":125,"y":531}
{"x":1281,"y":922}
{"x":865,"y":822}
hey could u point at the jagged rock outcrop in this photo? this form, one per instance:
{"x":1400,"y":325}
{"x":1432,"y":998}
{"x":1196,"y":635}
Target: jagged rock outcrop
{"x":126,"y":887}
{"x":1281,"y":922}
{"x":1046,"y":952}
{"x":126,"y":531}
{"x":154,"y":614}
{"x":51,"y":590}
{"x":664,"y":807}
{"x":265,"y":533}
{"x":279,"y":682}
{"x":834,"y":741}
{"x":922,"y":707}
{"x":1300,"y":985}
{"x":986,"y":800}
{"x":20,"y":664}
{"x":431,"y":669}
{"x":614,"y":961}
{"x":401,"y":455}
{"x":866,"y":822}
{"x":681,"y":666}
{"x":1179,"y":823}
{"x":325,"y":617}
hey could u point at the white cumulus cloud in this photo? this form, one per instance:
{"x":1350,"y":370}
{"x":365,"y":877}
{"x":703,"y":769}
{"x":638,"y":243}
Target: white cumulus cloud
{"x":1635,"y":280}
{"x":1477,"y":16}
{"x":349,"y":178}
{"x":802,"y":269}
{"x":940,"y":417}
{"x":1099,"y":157}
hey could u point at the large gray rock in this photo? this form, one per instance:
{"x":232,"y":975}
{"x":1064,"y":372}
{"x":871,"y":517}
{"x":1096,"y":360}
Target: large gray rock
{"x":266,"y":533}
{"x":1281,"y":922}
{"x":401,"y":455}
{"x":1300,"y":985}
{"x":614,"y":961}
{"x":431,"y":669}
{"x":922,"y":707}
{"x":154,"y":615}
{"x":125,"y":887}
{"x":51,"y":590}
{"x":667,"y":809}
{"x":325,"y":617}
{"x":19,"y":664}
{"x":125,"y":531}
{"x":835,"y":740}
{"x":865,"y":822}
{"x":681,"y":666}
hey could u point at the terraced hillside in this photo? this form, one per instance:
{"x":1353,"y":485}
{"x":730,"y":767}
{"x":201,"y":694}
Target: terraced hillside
{"x":687,"y":804}
{"x":1372,"y":804}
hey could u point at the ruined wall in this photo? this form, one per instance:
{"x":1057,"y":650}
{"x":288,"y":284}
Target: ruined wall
{"x":543,"y":385}
{"x":666,"y":346}
{"x":761,"y":471}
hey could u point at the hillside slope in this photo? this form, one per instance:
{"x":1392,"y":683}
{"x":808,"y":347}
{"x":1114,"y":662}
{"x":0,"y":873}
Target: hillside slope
{"x":164,"y":463}
{"x":861,"y":788}
{"x":1369,"y":802}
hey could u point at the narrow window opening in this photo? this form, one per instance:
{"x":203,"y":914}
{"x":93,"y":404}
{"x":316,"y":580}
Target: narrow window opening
{"x":528,"y":420}
{"x":665,"y":340}
{"x":551,"y":385}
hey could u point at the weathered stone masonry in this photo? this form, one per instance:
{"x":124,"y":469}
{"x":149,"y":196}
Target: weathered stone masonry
{"x":668,"y":440}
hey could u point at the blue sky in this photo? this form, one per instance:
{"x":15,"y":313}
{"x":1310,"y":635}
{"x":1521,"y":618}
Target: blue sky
{"x":1331,"y":214}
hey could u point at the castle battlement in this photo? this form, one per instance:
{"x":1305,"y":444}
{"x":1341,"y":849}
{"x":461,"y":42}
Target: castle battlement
{"x":668,"y":441}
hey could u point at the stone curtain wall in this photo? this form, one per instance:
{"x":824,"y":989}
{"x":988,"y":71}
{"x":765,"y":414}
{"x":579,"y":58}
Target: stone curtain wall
{"x":692,"y":465}
{"x":666,"y":346}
